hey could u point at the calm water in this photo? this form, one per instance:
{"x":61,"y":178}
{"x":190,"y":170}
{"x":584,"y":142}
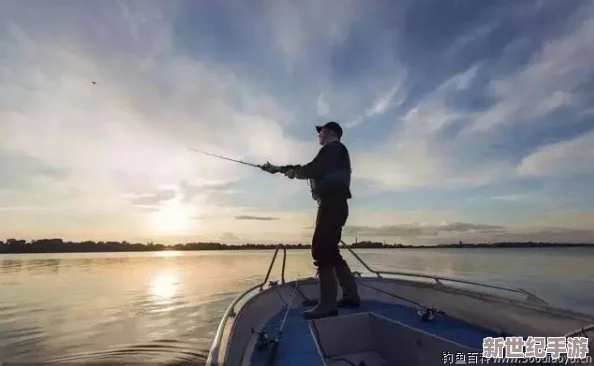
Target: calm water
{"x":165,"y":307}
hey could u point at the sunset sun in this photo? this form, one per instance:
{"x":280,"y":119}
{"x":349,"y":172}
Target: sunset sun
{"x":172,"y":219}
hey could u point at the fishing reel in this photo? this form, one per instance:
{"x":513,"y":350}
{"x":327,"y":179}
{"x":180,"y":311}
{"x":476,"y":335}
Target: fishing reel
{"x":428,"y":314}
{"x":272,"y":169}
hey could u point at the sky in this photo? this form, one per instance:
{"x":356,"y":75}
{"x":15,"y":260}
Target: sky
{"x":465,"y":120}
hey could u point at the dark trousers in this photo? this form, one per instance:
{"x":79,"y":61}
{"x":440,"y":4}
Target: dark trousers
{"x":332,"y":216}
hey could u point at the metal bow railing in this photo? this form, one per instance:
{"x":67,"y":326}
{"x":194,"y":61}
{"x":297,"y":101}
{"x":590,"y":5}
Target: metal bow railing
{"x":530,"y":296}
{"x":213,"y":355}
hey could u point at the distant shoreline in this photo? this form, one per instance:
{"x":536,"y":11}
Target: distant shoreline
{"x":15,"y":246}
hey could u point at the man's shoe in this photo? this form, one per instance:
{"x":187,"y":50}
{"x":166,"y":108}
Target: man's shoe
{"x":310,"y":302}
{"x":347,"y":302}
{"x":328,"y":288}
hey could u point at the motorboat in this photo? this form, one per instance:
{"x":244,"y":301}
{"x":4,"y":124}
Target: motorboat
{"x":404,"y":319}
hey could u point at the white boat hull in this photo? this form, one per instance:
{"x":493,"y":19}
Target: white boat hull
{"x":387,"y":329}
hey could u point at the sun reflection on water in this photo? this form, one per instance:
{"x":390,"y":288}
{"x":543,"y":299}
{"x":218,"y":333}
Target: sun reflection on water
{"x":164,"y":286}
{"x":168,"y":253}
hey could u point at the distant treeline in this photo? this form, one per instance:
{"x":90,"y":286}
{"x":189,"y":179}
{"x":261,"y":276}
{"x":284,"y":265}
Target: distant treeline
{"x":61,"y":246}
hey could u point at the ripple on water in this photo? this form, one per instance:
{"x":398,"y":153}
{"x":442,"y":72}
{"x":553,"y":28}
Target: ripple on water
{"x":160,"y":352}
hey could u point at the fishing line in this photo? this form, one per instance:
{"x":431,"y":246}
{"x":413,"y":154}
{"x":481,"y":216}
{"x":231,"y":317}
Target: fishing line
{"x":288,"y":308}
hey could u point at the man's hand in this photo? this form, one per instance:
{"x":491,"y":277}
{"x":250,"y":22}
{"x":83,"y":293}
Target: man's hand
{"x":272,"y":169}
{"x":290,"y":173}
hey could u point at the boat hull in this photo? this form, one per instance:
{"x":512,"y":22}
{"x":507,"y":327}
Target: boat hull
{"x":390,"y":306}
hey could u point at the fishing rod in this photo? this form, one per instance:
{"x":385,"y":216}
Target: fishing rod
{"x":226,"y":158}
{"x":281,"y":169}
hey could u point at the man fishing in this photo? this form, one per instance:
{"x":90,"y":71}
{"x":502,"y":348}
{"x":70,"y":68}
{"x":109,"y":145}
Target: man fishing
{"x":329,"y":174}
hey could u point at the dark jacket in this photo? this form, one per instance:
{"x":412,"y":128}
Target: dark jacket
{"x":329,"y":173}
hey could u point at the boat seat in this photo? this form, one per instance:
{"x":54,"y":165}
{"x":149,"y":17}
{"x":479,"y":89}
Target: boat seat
{"x":378,"y":341}
{"x":371,"y":333}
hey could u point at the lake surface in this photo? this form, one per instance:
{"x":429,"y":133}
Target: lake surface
{"x":164,"y":307}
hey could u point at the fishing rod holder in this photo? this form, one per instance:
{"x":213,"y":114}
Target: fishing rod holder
{"x":262,"y":341}
{"x":427,"y":314}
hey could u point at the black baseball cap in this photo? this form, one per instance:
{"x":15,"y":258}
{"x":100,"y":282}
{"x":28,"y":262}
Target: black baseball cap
{"x":332,"y":126}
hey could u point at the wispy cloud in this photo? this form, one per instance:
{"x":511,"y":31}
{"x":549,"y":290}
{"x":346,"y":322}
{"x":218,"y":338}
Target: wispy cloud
{"x":18,"y":171}
{"x":512,"y":197}
{"x":153,"y":199}
{"x":323,"y":107}
{"x":561,"y":159}
{"x":415,"y":233}
{"x":256,"y":218}
{"x":414,"y":153}
{"x":391,"y":99}
{"x":229,"y":236}
{"x":549,"y":81}
{"x":444,"y":140}
{"x":420,"y":230}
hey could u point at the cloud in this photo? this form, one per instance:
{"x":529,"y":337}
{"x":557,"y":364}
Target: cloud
{"x":130,"y":130}
{"x":228,"y":236}
{"x":323,"y":107}
{"x":468,"y":232}
{"x":18,"y":171}
{"x":420,"y":230}
{"x":561,"y":159}
{"x":391,"y":99}
{"x":462,"y":133}
{"x":546,"y":234}
{"x":257,"y":218}
{"x":126,"y":136}
{"x":461,"y":81}
{"x":153,"y":199}
{"x":548,"y":82}
{"x":414,"y":153}
{"x":512,"y":197}
{"x":215,"y":190}
{"x":572,"y":219}
{"x":301,"y":33}
{"x":465,"y":40}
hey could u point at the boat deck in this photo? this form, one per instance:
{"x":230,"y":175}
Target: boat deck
{"x":298,"y":347}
